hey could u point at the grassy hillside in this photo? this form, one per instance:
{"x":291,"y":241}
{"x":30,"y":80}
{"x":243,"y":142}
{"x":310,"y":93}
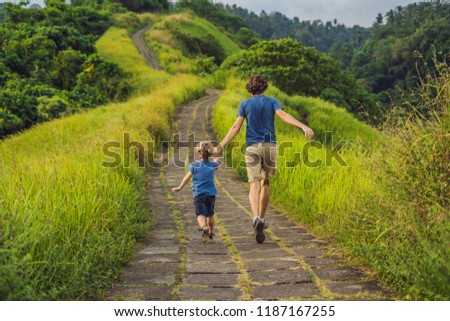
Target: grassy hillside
{"x":386,"y":206}
{"x":116,"y":45}
{"x":68,"y":223}
{"x":319,"y":181}
{"x":180,"y":40}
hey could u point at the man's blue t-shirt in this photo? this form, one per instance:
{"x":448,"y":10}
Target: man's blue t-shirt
{"x":259,"y":111}
{"x":203,"y":179}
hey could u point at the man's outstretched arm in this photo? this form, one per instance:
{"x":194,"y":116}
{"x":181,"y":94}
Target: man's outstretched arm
{"x":234,"y":130}
{"x":288,"y":119}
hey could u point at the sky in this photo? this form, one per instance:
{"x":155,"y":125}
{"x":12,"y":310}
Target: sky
{"x":349,"y":12}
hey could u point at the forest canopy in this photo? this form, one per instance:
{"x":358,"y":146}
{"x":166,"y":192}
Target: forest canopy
{"x":49,"y":66}
{"x":297,"y":69}
{"x":394,"y":54}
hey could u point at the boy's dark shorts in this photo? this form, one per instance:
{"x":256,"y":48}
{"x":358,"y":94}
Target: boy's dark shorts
{"x":204,"y":205}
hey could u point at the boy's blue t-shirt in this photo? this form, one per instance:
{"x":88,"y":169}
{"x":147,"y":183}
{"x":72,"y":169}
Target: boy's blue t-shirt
{"x":259,"y":111}
{"x":203,"y":177}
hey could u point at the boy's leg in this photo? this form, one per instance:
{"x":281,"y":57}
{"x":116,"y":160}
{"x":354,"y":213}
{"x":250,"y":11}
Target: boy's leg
{"x":211,"y":201}
{"x":201,"y":220}
{"x":210,"y":221}
{"x":201,"y":212}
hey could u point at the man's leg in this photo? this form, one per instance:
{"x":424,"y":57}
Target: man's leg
{"x":264,"y":197}
{"x":258,"y":224}
{"x":253,"y":197}
{"x":269,"y":164}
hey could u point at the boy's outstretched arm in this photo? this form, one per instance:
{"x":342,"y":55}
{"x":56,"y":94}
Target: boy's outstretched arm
{"x":234,"y":130}
{"x":186,"y":179}
{"x":288,"y":119}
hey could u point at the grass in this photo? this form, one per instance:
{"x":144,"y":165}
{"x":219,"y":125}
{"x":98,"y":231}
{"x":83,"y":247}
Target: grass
{"x":168,"y":52}
{"x":116,"y":44}
{"x":388,"y":206}
{"x":67,"y":223}
{"x":171,"y":53}
{"x":200,"y":27}
{"x":132,"y":22}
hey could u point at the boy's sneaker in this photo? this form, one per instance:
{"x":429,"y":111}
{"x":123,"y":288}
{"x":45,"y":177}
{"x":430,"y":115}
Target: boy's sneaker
{"x":205,"y":235}
{"x":211,"y":235}
{"x":259,"y":229}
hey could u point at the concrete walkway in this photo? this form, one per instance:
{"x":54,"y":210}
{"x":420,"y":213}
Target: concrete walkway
{"x":174,"y":264}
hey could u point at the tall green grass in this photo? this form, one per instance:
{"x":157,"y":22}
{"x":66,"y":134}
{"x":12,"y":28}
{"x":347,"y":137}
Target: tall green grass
{"x":200,"y":26}
{"x":67,"y":224}
{"x":387,"y":207}
{"x":412,"y":205}
{"x":168,"y":52}
{"x":116,"y":44}
{"x":169,"y":49}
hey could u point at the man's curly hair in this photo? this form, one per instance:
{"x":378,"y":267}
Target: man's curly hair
{"x":256,"y":85}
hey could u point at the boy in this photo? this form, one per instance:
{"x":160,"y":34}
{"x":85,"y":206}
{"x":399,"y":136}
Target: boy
{"x":203,"y":188}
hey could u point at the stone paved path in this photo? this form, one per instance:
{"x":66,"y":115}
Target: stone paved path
{"x":174,"y":264}
{"x":142,"y":46}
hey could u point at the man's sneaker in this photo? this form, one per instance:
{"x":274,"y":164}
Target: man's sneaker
{"x":205,"y":235}
{"x":211,"y":235}
{"x":259,"y":229}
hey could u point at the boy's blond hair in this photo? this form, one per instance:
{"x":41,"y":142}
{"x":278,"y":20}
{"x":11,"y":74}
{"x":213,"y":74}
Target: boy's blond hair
{"x":205,"y":149}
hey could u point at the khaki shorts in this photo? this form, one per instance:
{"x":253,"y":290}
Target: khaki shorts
{"x":261,"y":161}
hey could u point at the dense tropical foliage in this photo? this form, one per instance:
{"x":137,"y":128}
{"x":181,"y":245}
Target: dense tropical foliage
{"x":49,"y":66}
{"x":296,"y":69}
{"x":393,"y":54}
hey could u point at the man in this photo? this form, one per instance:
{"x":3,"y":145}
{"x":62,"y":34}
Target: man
{"x":261,"y":151}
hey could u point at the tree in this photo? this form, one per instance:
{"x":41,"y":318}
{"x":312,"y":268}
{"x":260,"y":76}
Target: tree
{"x":99,"y":82}
{"x":42,"y":63}
{"x":296,"y":69}
{"x":69,"y":65}
{"x":378,"y":20}
{"x":144,"y":5}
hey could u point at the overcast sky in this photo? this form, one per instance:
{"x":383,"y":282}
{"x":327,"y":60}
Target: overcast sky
{"x":349,"y":12}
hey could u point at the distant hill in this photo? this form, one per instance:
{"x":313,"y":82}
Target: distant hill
{"x":394,"y":53}
{"x":321,"y":35}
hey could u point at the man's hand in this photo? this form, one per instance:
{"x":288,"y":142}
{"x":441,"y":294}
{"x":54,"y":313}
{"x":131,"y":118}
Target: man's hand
{"x":217,"y":150}
{"x":308,"y":132}
{"x":176,"y":189}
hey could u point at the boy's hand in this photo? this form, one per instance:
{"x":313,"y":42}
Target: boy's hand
{"x":176,"y":189}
